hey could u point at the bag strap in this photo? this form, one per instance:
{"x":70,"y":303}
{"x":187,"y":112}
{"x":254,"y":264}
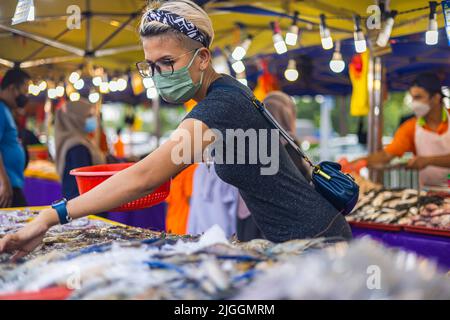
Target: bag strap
{"x":263,"y":110}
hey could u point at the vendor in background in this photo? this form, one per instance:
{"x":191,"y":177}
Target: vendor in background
{"x":13,"y":95}
{"x":74,"y":125}
{"x":426,"y":135}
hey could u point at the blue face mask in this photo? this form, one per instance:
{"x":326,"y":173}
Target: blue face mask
{"x":91,"y":124}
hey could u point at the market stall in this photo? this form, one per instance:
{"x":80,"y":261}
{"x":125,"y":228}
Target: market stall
{"x":113,"y":261}
{"x":399,"y":226}
{"x":42,"y":184}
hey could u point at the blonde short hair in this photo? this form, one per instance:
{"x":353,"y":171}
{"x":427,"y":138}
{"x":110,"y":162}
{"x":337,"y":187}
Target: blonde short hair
{"x":185,"y":8}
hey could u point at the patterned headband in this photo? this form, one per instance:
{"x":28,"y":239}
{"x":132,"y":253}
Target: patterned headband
{"x":179,"y":23}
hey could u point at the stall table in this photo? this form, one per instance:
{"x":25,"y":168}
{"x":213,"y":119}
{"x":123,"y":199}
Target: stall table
{"x":430,"y":246}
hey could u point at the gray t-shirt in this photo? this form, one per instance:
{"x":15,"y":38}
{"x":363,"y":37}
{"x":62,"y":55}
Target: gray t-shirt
{"x":284,"y":205}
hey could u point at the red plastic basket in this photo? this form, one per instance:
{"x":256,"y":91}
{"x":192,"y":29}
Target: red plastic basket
{"x":89,"y":177}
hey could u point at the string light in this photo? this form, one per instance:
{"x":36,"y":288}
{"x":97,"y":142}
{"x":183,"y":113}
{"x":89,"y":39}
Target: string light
{"x":432,"y":34}
{"x":148,"y":83}
{"x":291,"y":73}
{"x":113,"y":87}
{"x":325,"y":35}
{"x":59,"y":90}
{"x":74,"y":77}
{"x":238,"y":66}
{"x":43,"y":85}
{"x":385,"y":34}
{"x":74,"y":96}
{"x":242,"y":78}
{"x":358,"y":35}
{"x":241,"y":50}
{"x":122,"y":84}
{"x":152,"y":93}
{"x":292,"y":34}
{"x":79,"y":84}
{"x":104,"y":87}
{"x":34,"y":90}
{"x":96,"y":81}
{"x":337,"y":64}
{"x":51,"y":93}
{"x":278,"y":41}
{"x":94,"y":97}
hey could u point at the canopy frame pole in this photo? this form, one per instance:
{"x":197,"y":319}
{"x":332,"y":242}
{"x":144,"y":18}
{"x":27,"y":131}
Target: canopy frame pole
{"x":116,"y":50}
{"x":88,"y":15}
{"x":44,"y":40}
{"x":375,"y":127}
{"x":39,"y":50}
{"x":7,"y":63}
{"x":40,"y":62}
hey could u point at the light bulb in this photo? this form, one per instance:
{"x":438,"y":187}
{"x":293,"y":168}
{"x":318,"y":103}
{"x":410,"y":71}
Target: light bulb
{"x":42,"y":85}
{"x":104,"y":87}
{"x":337,"y":65}
{"x":432,"y":35}
{"x":34,"y":90}
{"x":292,"y":35}
{"x":243,"y":81}
{"x":79,"y":84}
{"x":148,"y":83}
{"x":152,"y":93}
{"x":94,"y":97}
{"x":360,"y":46}
{"x":360,"y":42}
{"x":74,"y":96}
{"x":385,"y":34}
{"x":325,"y":35}
{"x":241,"y":50}
{"x":96,"y":81}
{"x":291,"y":73}
{"x":279,"y":44}
{"x":59,"y":91}
{"x":327,"y":43}
{"x":238,"y":53}
{"x":122,"y":84}
{"x":74,"y":76}
{"x":51,"y":93}
{"x":113,"y":87}
{"x":238,"y":66}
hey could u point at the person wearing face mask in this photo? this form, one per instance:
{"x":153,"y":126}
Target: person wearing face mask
{"x":176,"y":38}
{"x":13,"y":95}
{"x":74,"y":124}
{"x":426,"y":134}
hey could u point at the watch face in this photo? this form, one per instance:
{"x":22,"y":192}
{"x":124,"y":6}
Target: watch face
{"x":54,"y":203}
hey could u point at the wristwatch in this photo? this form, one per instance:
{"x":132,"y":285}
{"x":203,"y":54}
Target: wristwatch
{"x":61,"y":208}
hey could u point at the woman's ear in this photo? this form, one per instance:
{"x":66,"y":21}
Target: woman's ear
{"x":205,"y":58}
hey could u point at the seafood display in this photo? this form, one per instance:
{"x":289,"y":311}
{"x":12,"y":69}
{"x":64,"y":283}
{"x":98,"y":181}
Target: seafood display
{"x":211,"y":267}
{"x":402,"y":207}
{"x":77,"y":234}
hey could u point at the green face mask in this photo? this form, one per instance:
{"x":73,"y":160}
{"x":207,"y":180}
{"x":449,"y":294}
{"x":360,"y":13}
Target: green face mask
{"x":177,"y":87}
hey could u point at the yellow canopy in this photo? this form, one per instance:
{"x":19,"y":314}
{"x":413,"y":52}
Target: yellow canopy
{"x":47,"y":41}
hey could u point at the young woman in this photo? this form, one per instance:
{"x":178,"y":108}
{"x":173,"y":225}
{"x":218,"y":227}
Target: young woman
{"x":176,"y":39}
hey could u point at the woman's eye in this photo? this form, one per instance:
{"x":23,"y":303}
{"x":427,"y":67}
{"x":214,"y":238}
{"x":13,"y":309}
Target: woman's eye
{"x":166,"y":63}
